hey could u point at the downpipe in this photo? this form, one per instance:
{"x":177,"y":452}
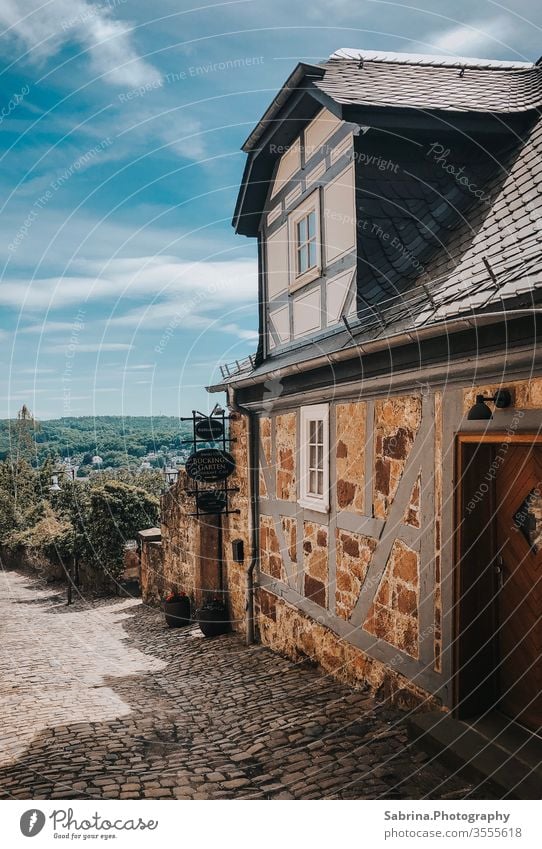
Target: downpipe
{"x":253,"y":482}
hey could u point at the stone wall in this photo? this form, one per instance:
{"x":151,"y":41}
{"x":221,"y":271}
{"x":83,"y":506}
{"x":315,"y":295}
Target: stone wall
{"x":180,"y":540}
{"x":152,"y":580}
{"x":353,"y":553}
{"x":393,"y":615}
{"x":188,"y":557}
{"x":288,"y":631}
{"x":315,"y":563}
{"x":336,"y":559}
{"x":312,"y":562}
{"x":350,"y":434}
{"x":285,"y":443}
{"x":526,"y":394}
{"x":395,"y":426}
{"x":236,"y":525}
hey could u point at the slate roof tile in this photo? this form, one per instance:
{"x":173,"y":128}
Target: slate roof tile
{"x":514,"y":87}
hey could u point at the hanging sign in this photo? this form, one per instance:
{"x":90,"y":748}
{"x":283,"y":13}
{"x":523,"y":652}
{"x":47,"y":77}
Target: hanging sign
{"x":209,"y":428}
{"x":209,"y":465}
{"x":211,"y":501}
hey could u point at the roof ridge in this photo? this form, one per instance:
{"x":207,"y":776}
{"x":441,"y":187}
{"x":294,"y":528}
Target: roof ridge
{"x":355,"y":55}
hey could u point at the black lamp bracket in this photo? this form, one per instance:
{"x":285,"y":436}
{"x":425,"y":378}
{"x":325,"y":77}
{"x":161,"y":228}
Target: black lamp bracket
{"x":501,"y":399}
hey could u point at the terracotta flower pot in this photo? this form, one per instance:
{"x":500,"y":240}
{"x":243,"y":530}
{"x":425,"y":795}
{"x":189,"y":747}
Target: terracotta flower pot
{"x":177,"y":612}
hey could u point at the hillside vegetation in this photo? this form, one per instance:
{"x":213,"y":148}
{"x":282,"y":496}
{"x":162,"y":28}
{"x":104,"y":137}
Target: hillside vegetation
{"x":120,"y":441}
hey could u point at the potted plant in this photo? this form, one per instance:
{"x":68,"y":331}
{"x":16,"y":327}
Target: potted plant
{"x":177,"y":609}
{"x":212,"y":618}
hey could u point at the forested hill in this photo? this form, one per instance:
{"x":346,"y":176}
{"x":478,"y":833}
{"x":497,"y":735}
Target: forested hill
{"x":116,"y":439}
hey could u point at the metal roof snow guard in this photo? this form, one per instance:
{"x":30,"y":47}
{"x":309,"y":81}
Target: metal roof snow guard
{"x":356,"y":55}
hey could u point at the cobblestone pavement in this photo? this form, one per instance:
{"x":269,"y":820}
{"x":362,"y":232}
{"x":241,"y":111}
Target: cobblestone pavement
{"x":104,"y":701}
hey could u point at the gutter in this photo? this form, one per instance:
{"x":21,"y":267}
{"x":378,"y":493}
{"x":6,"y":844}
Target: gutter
{"x":253,"y":483}
{"x":393,"y":341}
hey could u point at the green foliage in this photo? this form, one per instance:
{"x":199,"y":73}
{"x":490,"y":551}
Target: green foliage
{"x":117,"y":512}
{"x":119,"y":440}
{"x":20,"y":488}
{"x":88,"y":520}
{"x":45,"y":532}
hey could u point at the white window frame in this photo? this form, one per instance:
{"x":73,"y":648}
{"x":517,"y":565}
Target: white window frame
{"x":308,"y":499}
{"x":310,"y":204}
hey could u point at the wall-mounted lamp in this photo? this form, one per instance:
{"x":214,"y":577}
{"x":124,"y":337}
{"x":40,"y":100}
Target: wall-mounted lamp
{"x":480,"y":411}
{"x":170,"y":476}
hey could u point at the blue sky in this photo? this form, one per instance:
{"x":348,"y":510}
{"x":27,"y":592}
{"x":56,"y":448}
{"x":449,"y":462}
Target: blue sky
{"x":123,"y":284}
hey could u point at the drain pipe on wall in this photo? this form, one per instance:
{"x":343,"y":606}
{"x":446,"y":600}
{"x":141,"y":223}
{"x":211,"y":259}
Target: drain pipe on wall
{"x":253,"y":486}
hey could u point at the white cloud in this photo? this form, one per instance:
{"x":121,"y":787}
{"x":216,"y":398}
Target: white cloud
{"x":44,"y":28}
{"x":93,"y":347}
{"x":465,"y":40}
{"x":47,"y":327}
{"x":202,"y":285}
{"x":37,"y":370}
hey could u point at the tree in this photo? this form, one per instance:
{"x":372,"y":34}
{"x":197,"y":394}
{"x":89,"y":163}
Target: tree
{"x":117,"y":512}
{"x":25,"y":428}
{"x":20,"y":496}
{"x":22,"y":452}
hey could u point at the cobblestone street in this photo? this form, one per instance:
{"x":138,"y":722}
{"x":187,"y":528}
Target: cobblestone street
{"x":103,"y":701}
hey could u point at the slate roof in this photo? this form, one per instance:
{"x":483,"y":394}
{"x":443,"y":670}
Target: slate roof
{"x":418,"y":82}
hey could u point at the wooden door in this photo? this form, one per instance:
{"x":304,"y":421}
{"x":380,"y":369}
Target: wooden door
{"x":519,"y":548}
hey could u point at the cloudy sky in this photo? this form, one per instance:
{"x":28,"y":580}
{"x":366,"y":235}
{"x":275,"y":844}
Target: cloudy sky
{"x":123,"y":285}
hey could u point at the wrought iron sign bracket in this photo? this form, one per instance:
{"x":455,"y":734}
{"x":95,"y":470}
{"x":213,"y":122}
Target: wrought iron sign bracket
{"x":210,"y":464}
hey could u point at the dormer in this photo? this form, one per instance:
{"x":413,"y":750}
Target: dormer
{"x":308,"y":233}
{"x":358,"y":176}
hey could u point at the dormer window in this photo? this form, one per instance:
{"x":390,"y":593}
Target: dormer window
{"x":304,"y":241}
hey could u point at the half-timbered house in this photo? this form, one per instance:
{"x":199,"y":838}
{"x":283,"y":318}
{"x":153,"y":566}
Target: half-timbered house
{"x":396,"y":517}
{"x":390,"y":518}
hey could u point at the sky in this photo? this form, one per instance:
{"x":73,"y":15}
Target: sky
{"x":124,"y":286}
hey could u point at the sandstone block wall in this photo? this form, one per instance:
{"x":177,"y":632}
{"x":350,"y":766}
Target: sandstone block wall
{"x":289,"y":631}
{"x":315,"y":563}
{"x":396,"y":423}
{"x":152,"y":578}
{"x":350,"y":441}
{"x":336,"y":560}
{"x":393,"y":615}
{"x":188,"y":558}
{"x":354,"y":552}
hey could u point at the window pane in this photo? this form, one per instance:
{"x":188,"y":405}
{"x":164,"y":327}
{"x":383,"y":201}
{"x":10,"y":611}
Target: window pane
{"x":320,"y":464}
{"x":303,"y":255}
{"x":312,"y":254}
{"x":311,"y":223}
{"x":302,"y":231}
{"x":320,"y":489}
{"x":312,"y":432}
{"x":313,"y":482}
{"x":320,"y":432}
{"x":312,"y":457}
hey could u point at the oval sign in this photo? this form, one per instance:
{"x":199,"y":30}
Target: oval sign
{"x":209,"y":428}
{"x":209,"y":465}
{"x":211,"y":501}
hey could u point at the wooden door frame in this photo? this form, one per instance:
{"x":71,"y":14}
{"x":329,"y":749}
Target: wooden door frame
{"x":462,"y":439}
